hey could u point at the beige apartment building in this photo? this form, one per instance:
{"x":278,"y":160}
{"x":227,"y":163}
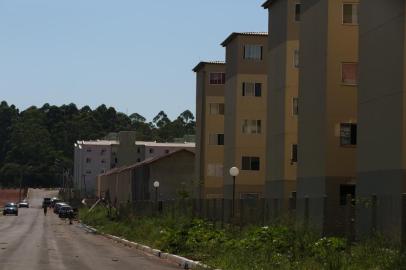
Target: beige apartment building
{"x":245,"y":113}
{"x":210,"y":84}
{"x":381,"y":116}
{"x":327,"y":123}
{"x":283,"y":84}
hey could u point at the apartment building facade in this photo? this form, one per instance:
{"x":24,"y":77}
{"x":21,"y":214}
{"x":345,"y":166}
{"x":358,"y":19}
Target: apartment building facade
{"x":245,"y":113}
{"x":210,"y":85}
{"x":92,"y":158}
{"x":381,"y":117}
{"x":283,"y":84}
{"x":327,"y":123}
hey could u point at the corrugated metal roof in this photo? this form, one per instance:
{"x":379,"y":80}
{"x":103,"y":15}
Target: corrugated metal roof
{"x":235,"y":34}
{"x":201,"y":64}
{"x":267,"y":4}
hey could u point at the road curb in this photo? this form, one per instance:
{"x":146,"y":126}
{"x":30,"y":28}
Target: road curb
{"x":182,"y":262}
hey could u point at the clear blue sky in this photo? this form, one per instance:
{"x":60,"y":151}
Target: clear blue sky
{"x":134,"y":55}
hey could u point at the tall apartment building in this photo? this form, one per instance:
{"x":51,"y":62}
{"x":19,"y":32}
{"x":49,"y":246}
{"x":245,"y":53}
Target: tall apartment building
{"x":327,"y":108}
{"x":283,"y":84}
{"x":245,"y":113}
{"x":210,"y":84}
{"x":382,"y":114}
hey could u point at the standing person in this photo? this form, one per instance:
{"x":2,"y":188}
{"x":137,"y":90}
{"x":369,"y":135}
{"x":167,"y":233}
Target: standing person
{"x":45,"y":209}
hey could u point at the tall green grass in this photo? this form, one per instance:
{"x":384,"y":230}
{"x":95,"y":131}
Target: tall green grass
{"x":254,"y":248}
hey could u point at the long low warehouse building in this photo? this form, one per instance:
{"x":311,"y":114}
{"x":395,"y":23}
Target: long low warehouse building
{"x":174,"y":172}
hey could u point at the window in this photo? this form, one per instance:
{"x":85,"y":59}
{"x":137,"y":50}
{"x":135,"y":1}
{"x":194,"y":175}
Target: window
{"x":151,"y":150}
{"x":296,"y":58}
{"x":251,"y":89}
{"x":249,"y":196}
{"x":294,"y":153}
{"x":138,"y":150}
{"x":215,"y":170}
{"x":103,"y":161}
{"x":88,"y":160}
{"x":216,"y":139}
{"x":297,"y":12}
{"x":349,"y":73}
{"x":251,"y":126}
{"x":115,"y":160}
{"x":250,"y":163}
{"x":253,"y":52}
{"x":217,"y":78}
{"x":217,"y":108}
{"x":295,"y":106}
{"x":350,"y":14}
{"x":348,"y":134}
{"x":346,"y":190}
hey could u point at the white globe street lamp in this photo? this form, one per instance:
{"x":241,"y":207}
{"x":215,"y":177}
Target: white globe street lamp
{"x":156,"y":186}
{"x":234,"y":172}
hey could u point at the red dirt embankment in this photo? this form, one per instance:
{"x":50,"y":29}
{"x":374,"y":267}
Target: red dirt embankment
{"x":10,"y":195}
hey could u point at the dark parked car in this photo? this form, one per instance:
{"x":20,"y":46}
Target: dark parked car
{"x":54,"y":200}
{"x":65,"y":211}
{"x":58,"y":206}
{"x":10,"y":209}
{"x":23,"y":204}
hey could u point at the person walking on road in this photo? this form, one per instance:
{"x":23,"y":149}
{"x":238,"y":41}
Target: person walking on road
{"x":45,"y":209}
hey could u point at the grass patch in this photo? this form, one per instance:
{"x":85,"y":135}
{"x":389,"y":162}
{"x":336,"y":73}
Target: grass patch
{"x":254,"y":248}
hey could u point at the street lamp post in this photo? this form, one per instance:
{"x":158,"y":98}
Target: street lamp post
{"x":234,"y":172}
{"x":156,"y":186}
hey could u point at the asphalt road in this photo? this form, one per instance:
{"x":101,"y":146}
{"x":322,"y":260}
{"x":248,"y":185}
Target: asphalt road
{"x":32,"y":241}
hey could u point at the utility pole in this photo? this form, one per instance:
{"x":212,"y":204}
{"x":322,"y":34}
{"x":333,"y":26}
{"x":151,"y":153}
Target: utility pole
{"x":21,"y":183}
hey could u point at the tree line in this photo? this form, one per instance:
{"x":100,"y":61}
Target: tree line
{"x":35,"y":144}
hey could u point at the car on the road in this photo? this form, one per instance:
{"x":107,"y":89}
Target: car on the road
{"x":54,"y":200}
{"x":10,"y":209}
{"x":58,"y":206}
{"x":23,"y":204}
{"x":65,"y":211}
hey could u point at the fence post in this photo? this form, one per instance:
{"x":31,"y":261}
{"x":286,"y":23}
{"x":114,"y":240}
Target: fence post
{"x":403,"y":224}
{"x":306,"y":212}
{"x":222,"y":213}
{"x":241,"y":206}
{"x":348,"y":219}
{"x":374,"y":210}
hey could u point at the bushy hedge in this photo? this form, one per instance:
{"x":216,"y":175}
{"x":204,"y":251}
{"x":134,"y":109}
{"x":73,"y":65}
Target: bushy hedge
{"x":270,"y":247}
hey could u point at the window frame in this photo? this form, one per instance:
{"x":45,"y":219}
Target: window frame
{"x":295,"y":109}
{"x":296,"y":61}
{"x":246,"y":125}
{"x":218,"y":105}
{"x":216,"y":139}
{"x":222,"y":80}
{"x":251,"y":161}
{"x":342,"y":14}
{"x":256,"y":88}
{"x":261,"y":52}
{"x":293,"y":158}
{"x":352,"y":140}
{"x":342,"y":77}
{"x":295,"y":14}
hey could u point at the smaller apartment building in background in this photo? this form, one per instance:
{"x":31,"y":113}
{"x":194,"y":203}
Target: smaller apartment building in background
{"x":92,"y":158}
{"x":210,"y":82}
{"x":245,"y":113}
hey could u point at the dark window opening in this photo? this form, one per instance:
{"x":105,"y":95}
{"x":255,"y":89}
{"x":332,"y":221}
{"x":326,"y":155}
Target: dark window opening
{"x":345,"y":190}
